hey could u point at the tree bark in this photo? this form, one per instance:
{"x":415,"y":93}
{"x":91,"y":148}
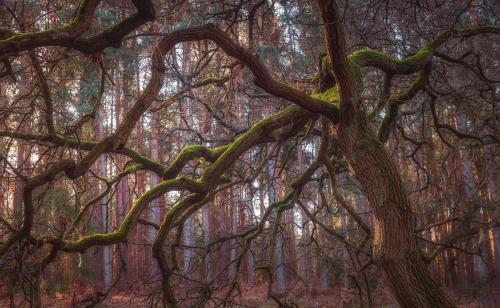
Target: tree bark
{"x":275,"y":195}
{"x":395,"y":248}
{"x":107,"y":271}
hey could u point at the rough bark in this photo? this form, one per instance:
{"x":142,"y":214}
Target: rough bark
{"x":395,"y":248}
{"x":106,"y":251}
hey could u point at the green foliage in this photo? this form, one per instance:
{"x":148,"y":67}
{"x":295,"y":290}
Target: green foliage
{"x":89,"y":88}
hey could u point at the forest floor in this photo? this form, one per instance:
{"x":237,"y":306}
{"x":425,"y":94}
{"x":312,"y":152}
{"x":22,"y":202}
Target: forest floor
{"x":256,"y":297}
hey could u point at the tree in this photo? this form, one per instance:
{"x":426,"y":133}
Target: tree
{"x":351,"y":101}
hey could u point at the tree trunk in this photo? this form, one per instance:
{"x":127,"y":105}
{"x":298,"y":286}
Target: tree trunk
{"x":154,"y":214}
{"x":305,"y":238}
{"x":188,"y":256}
{"x":493,"y":198}
{"x":274,"y":196}
{"x":102,"y":165}
{"x":233,"y":214}
{"x":395,"y":248}
{"x":206,"y":240}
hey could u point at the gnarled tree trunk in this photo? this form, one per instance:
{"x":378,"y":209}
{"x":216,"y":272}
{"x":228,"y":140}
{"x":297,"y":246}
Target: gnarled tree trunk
{"x":395,"y":249}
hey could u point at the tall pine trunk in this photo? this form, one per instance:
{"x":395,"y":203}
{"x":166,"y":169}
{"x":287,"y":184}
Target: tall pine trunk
{"x":106,"y":250}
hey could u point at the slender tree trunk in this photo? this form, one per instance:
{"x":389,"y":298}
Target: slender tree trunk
{"x":206,"y":239}
{"x":141,"y":230}
{"x":233,"y":214}
{"x":127,"y":81}
{"x":274,"y":195}
{"x":250,"y":256}
{"x":35,"y":294}
{"x":475,"y":266}
{"x":493,"y":198}
{"x":188,"y":252}
{"x":154,"y":213}
{"x":102,"y":165}
{"x":305,"y":238}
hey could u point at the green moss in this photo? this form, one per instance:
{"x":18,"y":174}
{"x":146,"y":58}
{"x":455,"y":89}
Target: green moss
{"x":188,"y":153}
{"x":225,"y":179}
{"x":325,"y":62}
{"x":25,"y":36}
{"x":357,"y":73}
{"x":130,"y":219}
{"x":78,"y":14}
{"x":361,"y":55}
{"x":295,"y":181}
{"x":227,"y":153}
{"x":191,"y":150}
{"x":417,"y":57}
{"x":216,"y":152}
{"x":65,"y":27}
{"x":331,"y":95}
{"x":231,"y":152}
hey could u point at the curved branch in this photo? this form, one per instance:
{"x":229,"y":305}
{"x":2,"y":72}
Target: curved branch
{"x":69,"y":34}
{"x":462,"y":33}
{"x":400,"y":98}
{"x":109,"y":184}
{"x":416,"y":62}
{"x":337,"y":54}
{"x":262,"y":77}
{"x":390,"y":65}
{"x":130,"y":220}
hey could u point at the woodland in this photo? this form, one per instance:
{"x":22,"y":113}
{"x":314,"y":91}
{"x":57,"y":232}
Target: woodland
{"x":249,"y":153}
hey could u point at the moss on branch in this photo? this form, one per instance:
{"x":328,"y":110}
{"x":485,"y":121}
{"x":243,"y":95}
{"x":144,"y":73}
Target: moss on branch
{"x":191,"y":152}
{"x":331,"y":96}
{"x":293,"y":117}
{"x":392,"y":65}
{"x":181,"y":183}
{"x":361,"y":56}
